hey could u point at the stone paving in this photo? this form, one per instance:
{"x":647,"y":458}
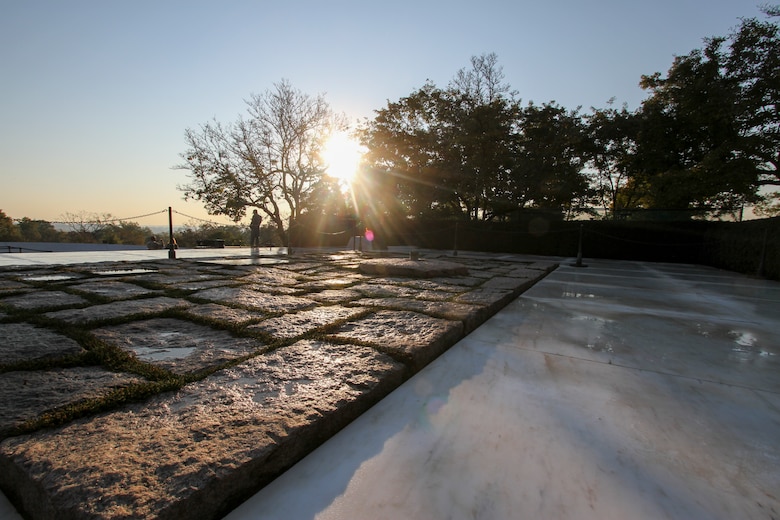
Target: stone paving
{"x":157,"y":389}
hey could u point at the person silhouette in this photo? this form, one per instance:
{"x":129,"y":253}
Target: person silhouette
{"x":254,"y":227}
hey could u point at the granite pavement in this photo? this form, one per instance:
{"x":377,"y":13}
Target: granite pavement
{"x":177,"y":387}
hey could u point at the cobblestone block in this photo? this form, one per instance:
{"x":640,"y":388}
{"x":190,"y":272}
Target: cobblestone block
{"x":43,"y":299}
{"x":415,"y":338}
{"x":25,"y":342}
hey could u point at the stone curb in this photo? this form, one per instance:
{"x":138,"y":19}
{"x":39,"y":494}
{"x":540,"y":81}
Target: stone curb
{"x":155,"y":389}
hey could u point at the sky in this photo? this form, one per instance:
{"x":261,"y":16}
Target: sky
{"x":95,"y":95}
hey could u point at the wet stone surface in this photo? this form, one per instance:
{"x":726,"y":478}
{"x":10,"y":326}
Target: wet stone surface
{"x":419,"y":268}
{"x":469,"y":315}
{"x":335,"y":295}
{"x":184,"y":451}
{"x":12,"y":286}
{"x":415,"y":338}
{"x":25,"y":342}
{"x":112,"y":289}
{"x":117,"y":310}
{"x":154,"y":389}
{"x":221,"y":313}
{"x":26,"y":395}
{"x":299,"y":323}
{"x":43,"y":299}
{"x":255,"y":299}
{"x":177,"y":345}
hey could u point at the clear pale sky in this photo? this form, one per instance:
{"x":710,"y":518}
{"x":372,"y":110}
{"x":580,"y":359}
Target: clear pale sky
{"x":95,"y":95}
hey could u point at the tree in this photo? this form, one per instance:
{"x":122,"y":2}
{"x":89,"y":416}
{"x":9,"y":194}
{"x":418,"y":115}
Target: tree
{"x":85,"y":226}
{"x":123,"y":232}
{"x":550,"y":155}
{"x":37,"y":230}
{"x":268,"y":159}
{"x":189,"y":235}
{"x":8,"y":231}
{"x":611,"y":143}
{"x":406,"y":159}
{"x":688,"y":146}
{"x":483,"y":117}
{"x":709,"y":134}
{"x":754,"y":63}
{"x":445,"y":151}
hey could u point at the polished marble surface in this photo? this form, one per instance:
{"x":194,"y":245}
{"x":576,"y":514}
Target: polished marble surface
{"x":620,"y":390}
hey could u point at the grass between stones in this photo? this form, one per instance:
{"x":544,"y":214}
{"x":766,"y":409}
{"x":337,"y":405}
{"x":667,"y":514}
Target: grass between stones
{"x":157,"y":380}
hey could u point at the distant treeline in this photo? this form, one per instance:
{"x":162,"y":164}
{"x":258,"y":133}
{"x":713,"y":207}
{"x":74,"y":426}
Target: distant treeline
{"x":93,"y":229}
{"x":97,"y":232}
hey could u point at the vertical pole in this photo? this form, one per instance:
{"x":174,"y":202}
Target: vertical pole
{"x":171,"y":250}
{"x":762,"y":260}
{"x":579,"y":250}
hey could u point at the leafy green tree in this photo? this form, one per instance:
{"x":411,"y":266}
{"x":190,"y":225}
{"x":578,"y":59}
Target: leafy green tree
{"x":37,"y":231}
{"x":269,"y":159}
{"x":610,"y":143}
{"x":472,"y":151}
{"x":123,"y":232}
{"x":687,"y":139}
{"x":769,"y":205}
{"x":446,"y":150}
{"x":232,"y":235}
{"x":482,"y":123}
{"x":708,"y":133}
{"x":8,"y":231}
{"x":406,"y":158}
{"x":551,"y":151}
{"x":754,"y":63}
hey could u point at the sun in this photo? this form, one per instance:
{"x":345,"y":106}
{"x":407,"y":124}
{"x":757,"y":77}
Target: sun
{"x":342,"y":156}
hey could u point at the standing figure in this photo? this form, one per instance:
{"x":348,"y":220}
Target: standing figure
{"x":254,"y":227}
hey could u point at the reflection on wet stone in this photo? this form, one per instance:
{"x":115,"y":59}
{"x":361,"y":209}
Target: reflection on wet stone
{"x":112,"y":289}
{"x":177,"y":345}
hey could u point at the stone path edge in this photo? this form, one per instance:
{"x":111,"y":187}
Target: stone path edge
{"x":247,"y":426}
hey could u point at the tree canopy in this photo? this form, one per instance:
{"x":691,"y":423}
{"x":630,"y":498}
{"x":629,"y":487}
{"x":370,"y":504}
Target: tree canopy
{"x":268,"y":159}
{"x":708,"y":135}
{"x":706,"y":139}
{"x":471,"y":150}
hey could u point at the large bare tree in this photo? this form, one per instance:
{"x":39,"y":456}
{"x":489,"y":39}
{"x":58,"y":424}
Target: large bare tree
{"x":268,"y":159}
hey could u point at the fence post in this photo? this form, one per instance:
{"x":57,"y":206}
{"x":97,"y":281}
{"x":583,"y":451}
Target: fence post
{"x":762,"y":259}
{"x":579,"y":250}
{"x":171,"y":250}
